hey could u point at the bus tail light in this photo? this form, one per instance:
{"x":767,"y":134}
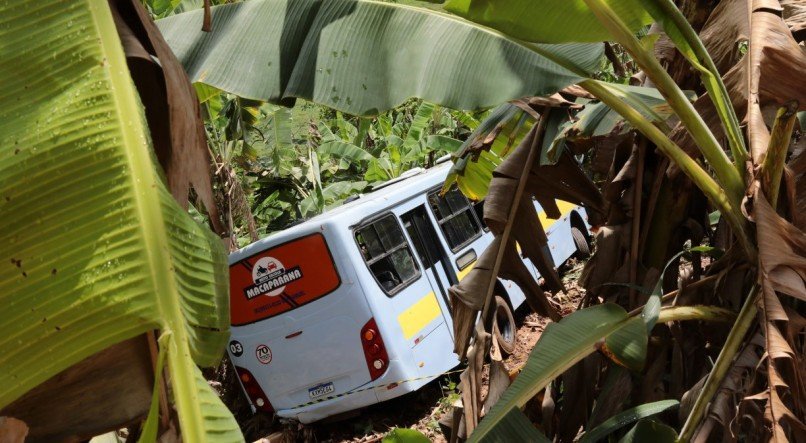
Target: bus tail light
{"x":374,"y":350}
{"x":253,"y":390}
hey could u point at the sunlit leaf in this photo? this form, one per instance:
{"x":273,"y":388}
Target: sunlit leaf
{"x":550,"y":21}
{"x":97,"y":250}
{"x":365,"y":57}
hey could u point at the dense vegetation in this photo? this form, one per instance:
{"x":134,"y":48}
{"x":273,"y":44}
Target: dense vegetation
{"x":277,"y":165}
{"x":695,"y":294}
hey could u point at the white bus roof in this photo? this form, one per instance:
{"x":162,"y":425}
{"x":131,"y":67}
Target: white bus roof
{"x":352,"y":212}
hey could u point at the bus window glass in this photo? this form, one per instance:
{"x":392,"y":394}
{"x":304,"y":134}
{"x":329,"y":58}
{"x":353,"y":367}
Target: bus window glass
{"x":390,"y":233}
{"x":387,"y":253}
{"x":403,"y":263}
{"x":456,"y":201}
{"x":372,"y":243}
{"x":456,"y":218}
{"x":440,"y":206}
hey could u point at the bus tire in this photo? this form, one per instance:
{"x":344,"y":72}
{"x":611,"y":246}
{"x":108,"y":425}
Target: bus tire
{"x":504,"y":327}
{"x":581,"y":243}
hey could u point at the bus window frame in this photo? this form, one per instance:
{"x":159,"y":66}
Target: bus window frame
{"x":479,"y":224}
{"x":414,"y":259}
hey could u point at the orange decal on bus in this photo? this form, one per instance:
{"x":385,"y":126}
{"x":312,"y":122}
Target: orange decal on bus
{"x":280,"y":279}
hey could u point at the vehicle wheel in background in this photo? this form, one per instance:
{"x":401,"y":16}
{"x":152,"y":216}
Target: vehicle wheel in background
{"x":504,"y":327}
{"x":581,"y":242}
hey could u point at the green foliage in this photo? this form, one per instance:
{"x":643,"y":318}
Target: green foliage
{"x":626,"y":417}
{"x":365,"y":57}
{"x":553,"y":21}
{"x":403,"y":435}
{"x":650,"y":430}
{"x":291,"y":164}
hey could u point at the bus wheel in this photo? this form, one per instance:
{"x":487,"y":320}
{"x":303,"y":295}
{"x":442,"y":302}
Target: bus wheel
{"x":581,"y":243}
{"x":504,"y":327}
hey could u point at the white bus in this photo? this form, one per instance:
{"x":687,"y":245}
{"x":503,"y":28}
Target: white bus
{"x":344,"y":310}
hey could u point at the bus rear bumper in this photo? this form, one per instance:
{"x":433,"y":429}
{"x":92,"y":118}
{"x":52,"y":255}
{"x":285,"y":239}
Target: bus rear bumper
{"x":377,"y":391}
{"x":327,"y":408}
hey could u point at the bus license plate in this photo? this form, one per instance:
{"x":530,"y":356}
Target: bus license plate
{"x":320,"y":390}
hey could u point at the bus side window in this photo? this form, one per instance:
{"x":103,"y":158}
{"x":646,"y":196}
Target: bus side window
{"x":387,"y":254}
{"x":456,"y":218}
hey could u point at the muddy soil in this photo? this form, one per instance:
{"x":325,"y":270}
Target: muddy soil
{"x":422,"y":410}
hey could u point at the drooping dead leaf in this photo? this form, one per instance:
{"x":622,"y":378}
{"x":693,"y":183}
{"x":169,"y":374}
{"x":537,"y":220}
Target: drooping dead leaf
{"x":723,"y":409}
{"x":725,"y":28}
{"x":531,"y":237}
{"x":777,"y":414}
{"x":577,"y":396}
{"x":762,"y":79}
{"x":615,"y":394}
{"x":498,"y":379}
{"x":795,"y":17}
{"x":782,"y":250}
{"x":12,"y":430}
{"x":611,"y":243}
{"x":472,"y":378}
{"x":782,"y":263}
{"x":796,"y":178}
{"x":513,"y":268}
{"x":528,"y":231}
{"x":171,"y":107}
{"x":467,"y":298}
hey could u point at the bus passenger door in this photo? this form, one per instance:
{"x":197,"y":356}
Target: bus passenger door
{"x":436,"y":263}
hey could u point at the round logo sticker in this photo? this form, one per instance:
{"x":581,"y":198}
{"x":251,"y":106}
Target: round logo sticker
{"x":270,"y":277}
{"x":263,"y":354}
{"x":236,"y":348}
{"x":265,"y":269}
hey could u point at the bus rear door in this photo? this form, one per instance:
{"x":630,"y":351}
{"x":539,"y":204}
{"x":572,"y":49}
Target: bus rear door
{"x":418,"y":320}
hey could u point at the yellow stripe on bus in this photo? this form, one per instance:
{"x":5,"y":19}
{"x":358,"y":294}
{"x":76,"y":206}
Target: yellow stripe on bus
{"x":463,"y":273}
{"x":545,"y":221}
{"x":565,"y":208}
{"x":419,"y":315}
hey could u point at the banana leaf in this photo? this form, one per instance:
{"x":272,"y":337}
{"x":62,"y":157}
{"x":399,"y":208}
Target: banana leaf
{"x":626,"y":417}
{"x":96,"y":249}
{"x":364,"y":57}
{"x":549,"y":21}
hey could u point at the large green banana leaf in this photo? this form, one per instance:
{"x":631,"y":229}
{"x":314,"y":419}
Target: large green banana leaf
{"x":549,"y":21}
{"x":94,"y":248}
{"x":364,"y":57}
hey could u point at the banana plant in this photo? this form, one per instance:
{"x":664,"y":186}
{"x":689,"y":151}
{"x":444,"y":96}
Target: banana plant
{"x":726,"y":180}
{"x":397,"y":143}
{"x":95,"y":247}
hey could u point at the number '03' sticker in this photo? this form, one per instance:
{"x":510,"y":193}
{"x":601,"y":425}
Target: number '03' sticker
{"x":236,"y":348}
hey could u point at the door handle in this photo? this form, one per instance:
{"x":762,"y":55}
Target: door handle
{"x":466,"y":259}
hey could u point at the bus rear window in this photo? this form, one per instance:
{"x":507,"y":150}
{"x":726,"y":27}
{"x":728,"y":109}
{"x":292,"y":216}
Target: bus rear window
{"x":280,"y":279}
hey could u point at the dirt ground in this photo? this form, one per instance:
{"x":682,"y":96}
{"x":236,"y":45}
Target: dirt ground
{"x":422,"y":410}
